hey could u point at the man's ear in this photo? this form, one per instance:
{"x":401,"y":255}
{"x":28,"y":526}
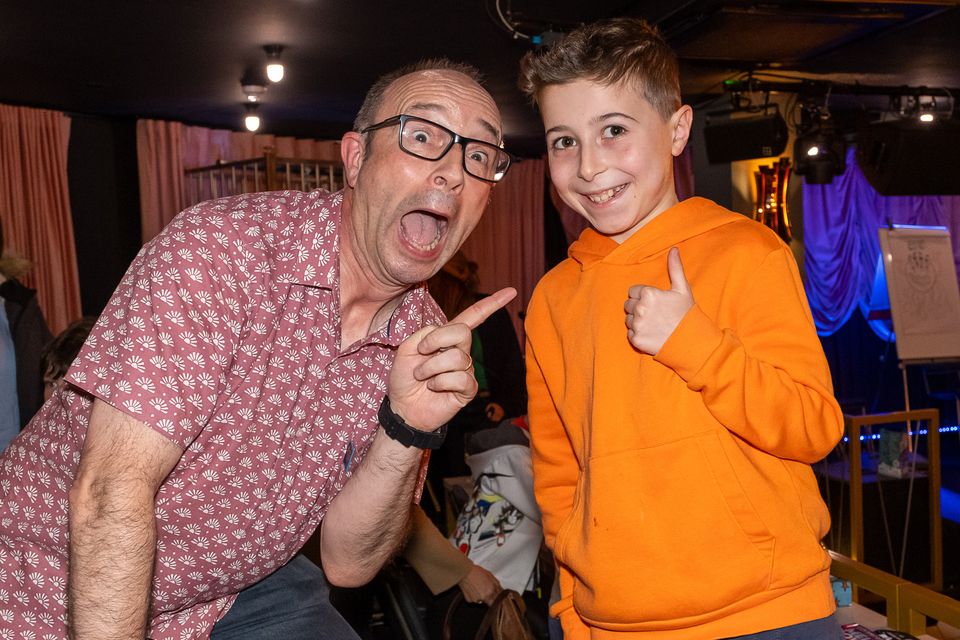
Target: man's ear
{"x":680,"y":123}
{"x":351,"y":153}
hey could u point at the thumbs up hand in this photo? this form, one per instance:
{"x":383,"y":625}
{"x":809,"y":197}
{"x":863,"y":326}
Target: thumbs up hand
{"x":653,"y":314}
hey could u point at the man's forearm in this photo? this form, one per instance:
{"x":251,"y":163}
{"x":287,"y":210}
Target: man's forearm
{"x":112,"y":552}
{"x":368,"y":519}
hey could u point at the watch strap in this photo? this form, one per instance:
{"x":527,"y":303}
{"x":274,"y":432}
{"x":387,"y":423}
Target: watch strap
{"x":395,"y":427}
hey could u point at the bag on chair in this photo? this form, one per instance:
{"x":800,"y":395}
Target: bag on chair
{"x":504,"y":619}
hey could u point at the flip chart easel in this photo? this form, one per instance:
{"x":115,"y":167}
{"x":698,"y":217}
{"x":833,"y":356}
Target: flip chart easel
{"x":925,"y":308}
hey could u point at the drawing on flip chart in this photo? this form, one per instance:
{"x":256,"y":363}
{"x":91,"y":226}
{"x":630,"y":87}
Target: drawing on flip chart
{"x":920,"y":284}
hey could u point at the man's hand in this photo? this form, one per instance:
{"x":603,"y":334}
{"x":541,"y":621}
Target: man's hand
{"x":479,"y":585}
{"x":653,"y":314}
{"x":432,"y":375}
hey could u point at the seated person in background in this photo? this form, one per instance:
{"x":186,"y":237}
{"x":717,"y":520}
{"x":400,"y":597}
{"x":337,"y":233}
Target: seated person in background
{"x":498,"y":538}
{"x":497,"y":363}
{"x":59,"y":353}
{"x":678,"y":390}
{"x":441,"y":565}
{"x":23,"y":333}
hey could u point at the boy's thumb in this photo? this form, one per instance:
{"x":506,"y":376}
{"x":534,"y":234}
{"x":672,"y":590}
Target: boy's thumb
{"x":678,"y":280}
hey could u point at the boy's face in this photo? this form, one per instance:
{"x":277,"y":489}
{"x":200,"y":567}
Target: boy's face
{"x":611,"y":153}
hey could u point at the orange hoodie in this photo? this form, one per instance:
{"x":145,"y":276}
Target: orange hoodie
{"x":676,"y":490}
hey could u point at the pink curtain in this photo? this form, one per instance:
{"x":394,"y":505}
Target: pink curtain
{"x":35,"y":206}
{"x":160,"y":167}
{"x":166,"y":149}
{"x":508,"y":243}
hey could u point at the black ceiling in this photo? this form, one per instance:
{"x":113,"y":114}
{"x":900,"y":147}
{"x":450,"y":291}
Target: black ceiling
{"x":183,"y":59}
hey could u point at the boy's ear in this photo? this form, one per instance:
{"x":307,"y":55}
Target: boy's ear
{"x":680,"y":123}
{"x":351,"y":152}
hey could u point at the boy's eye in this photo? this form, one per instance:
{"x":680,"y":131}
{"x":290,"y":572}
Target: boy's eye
{"x":613,"y":131}
{"x":563,"y":142}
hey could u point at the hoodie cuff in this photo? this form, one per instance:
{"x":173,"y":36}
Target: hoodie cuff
{"x":691,"y":343}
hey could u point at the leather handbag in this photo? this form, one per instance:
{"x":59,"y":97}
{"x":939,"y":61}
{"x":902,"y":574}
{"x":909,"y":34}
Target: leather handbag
{"x":504,"y":620}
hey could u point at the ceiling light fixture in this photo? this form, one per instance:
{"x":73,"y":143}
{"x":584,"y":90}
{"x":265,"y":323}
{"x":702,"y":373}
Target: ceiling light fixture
{"x":251,"y":121}
{"x":274,"y":66}
{"x":254,"y":92}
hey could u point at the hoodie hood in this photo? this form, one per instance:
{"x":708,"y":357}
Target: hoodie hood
{"x":680,"y":222}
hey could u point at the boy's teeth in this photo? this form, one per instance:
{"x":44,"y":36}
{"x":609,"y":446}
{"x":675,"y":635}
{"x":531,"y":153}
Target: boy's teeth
{"x":599,"y":198}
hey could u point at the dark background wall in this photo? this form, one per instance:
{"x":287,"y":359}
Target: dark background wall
{"x":105,"y":201}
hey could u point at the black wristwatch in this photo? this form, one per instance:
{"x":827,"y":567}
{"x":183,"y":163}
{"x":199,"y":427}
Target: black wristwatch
{"x":396,"y":428}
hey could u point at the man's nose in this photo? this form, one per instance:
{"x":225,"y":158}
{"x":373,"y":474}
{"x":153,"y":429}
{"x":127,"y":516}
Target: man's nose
{"x":448,"y":171}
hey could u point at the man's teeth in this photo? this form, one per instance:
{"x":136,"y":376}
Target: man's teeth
{"x":603,"y":196}
{"x":426,"y":247}
{"x":433,"y":244}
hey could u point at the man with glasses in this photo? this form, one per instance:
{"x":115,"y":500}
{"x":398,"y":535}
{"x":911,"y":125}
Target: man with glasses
{"x":270,"y":363}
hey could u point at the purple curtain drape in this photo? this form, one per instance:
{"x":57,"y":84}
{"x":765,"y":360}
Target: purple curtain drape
{"x":841,"y":245}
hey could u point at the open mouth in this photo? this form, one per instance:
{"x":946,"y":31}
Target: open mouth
{"x":604,"y":196}
{"x":423,"y":229}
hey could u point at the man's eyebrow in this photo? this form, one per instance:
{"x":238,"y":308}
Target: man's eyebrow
{"x":432,"y":106}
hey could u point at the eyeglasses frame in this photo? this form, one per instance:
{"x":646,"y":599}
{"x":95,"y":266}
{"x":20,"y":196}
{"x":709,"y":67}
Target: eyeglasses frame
{"x":403,"y":118}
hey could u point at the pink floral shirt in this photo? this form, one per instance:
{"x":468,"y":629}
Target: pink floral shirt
{"x":223,"y":337}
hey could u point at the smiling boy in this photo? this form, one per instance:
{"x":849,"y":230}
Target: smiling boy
{"x":677,"y":389}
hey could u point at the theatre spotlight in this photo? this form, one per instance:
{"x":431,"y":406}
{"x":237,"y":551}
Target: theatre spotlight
{"x":818,"y":156}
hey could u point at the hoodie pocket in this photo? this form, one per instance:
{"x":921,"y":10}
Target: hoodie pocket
{"x":666,"y":533}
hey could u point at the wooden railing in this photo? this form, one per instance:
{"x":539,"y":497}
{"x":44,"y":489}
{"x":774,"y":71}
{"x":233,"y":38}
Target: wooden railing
{"x":266,"y":173}
{"x":854,"y":428}
{"x":908,"y":604}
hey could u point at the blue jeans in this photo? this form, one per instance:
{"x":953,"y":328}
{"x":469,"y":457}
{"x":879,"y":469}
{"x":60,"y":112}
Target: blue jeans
{"x":823,"y":629}
{"x":292,"y":603}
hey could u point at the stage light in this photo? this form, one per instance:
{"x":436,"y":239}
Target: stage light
{"x":819,"y":156}
{"x":927,"y":117}
{"x":251,"y":121}
{"x":274,"y":66}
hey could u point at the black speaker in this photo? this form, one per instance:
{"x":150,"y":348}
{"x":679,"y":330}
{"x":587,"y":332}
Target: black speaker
{"x":908,"y":157}
{"x":732,"y":139}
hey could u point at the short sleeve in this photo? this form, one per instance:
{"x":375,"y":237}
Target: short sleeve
{"x":162,"y":348}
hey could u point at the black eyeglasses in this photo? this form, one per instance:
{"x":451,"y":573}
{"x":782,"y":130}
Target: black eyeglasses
{"x":430,"y":141}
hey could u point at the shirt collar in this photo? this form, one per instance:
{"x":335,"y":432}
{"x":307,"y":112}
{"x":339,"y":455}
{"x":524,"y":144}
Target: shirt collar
{"x":310,"y":255}
{"x":416,"y":310}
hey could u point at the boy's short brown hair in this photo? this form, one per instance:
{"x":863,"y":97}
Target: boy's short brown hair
{"x":608,"y":52}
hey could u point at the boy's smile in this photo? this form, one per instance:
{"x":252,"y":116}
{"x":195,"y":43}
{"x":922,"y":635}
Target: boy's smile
{"x":606,"y":195}
{"x":611,"y":153}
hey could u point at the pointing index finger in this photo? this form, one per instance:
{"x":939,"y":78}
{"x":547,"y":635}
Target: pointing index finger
{"x":474,"y":315}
